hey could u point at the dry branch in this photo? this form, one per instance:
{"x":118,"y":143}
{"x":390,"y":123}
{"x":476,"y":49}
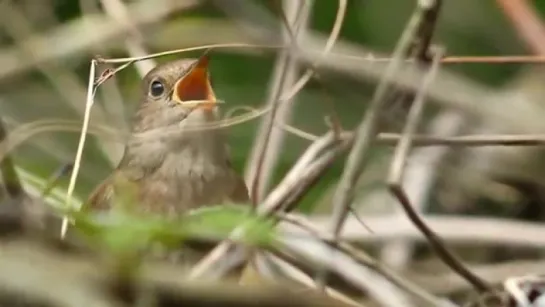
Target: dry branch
{"x":96,"y":29}
{"x":527,"y":23}
{"x":394,"y":184}
{"x":263,"y":155}
{"x":362,"y":258}
{"x":370,"y":125}
{"x":466,"y":230}
{"x":134,"y":42}
{"x":303,"y":175}
{"x":425,"y":161}
{"x":269,"y":138}
{"x":29,"y":273}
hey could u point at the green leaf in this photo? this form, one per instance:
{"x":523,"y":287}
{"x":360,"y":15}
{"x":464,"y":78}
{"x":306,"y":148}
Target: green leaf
{"x":125,"y":232}
{"x":220,"y":221}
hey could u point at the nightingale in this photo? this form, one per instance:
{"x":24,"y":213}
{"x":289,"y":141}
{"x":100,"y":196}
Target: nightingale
{"x":170,"y":165}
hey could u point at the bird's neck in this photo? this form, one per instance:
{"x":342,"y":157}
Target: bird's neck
{"x":190,"y":150}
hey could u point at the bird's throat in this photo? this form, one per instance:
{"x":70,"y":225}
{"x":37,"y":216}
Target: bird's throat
{"x":190,"y":150}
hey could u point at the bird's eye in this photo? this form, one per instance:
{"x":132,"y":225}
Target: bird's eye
{"x":157,"y":88}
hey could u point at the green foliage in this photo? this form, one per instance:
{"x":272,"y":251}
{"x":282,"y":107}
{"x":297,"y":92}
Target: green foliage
{"x":124,"y":232}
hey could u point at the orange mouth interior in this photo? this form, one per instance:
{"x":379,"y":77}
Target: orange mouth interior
{"x":196,"y":86}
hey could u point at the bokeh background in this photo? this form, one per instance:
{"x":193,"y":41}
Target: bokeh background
{"x":56,"y":88}
{"x":46,"y":47}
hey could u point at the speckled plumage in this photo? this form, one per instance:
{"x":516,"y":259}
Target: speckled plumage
{"x":168,"y":168}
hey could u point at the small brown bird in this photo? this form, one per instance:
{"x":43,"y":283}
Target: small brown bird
{"x":170,"y":164}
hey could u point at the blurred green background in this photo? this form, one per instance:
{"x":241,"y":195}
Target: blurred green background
{"x":466,"y":27}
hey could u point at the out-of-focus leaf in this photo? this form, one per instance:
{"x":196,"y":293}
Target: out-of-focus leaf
{"x":220,"y":221}
{"x":124,"y":231}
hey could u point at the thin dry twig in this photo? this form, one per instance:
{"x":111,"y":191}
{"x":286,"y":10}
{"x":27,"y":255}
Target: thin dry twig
{"x":214,"y":256}
{"x":268,"y":139}
{"x":299,"y":179}
{"x":423,"y":140}
{"x":134,"y":42}
{"x":311,"y":255}
{"x":22,"y":133}
{"x":79,"y":153}
{"x":141,"y":13}
{"x":468,"y":140}
{"x":96,"y":28}
{"x":394,"y":184}
{"x":289,"y":94}
{"x":522,"y":59}
{"x":420,"y":52}
{"x":367,"y":58}
{"x":470,"y":231}
{"x":29,"y":268}
{"x":415,"y":114}
{"x":419,"y":180}
{"x":364,"y":259}
{"x":369,"y":126}
{"x":526,"y":22}
{"x":114,"y":108}
{"x":63,"y":80}
{"x":189,"y":49}
{"x":290,"y":269}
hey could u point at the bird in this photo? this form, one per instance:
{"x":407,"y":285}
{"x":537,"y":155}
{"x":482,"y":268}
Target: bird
{"x":169,"y":164}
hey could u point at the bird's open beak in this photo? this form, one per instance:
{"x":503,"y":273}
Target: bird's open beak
{"x":195,"y":86}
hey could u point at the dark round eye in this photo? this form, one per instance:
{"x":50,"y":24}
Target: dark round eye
{"x":157,"y":88}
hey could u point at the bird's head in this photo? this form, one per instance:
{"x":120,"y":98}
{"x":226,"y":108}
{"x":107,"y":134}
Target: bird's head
{"x":177,"y":93}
